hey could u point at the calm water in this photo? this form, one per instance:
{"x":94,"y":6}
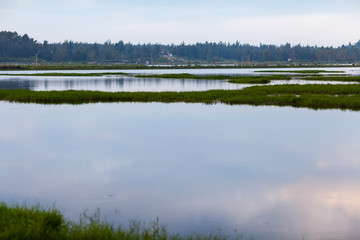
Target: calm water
{"x":113,"y":84}
{"x":131,"y":84}
{"x":270,"y":172}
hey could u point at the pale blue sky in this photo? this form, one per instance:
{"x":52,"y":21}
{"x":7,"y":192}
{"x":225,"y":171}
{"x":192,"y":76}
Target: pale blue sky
{"x":314,"y":22}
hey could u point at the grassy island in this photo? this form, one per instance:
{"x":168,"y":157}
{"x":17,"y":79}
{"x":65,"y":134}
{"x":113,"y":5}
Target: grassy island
{"x":299,"y":71}
{"x":316,"y":96}
{"x":232,"y":79}
{"x":334,"y":78}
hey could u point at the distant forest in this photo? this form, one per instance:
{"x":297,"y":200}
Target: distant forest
{"x":17,"y":48}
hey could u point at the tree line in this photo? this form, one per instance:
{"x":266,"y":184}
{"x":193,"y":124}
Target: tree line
{"x":15,"y":47}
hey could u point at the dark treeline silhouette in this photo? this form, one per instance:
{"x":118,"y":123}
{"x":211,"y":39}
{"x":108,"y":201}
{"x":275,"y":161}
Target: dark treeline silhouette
{"x":14,"y":47}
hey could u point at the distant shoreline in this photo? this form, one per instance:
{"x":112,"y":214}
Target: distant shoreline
{"x":20,"y":67}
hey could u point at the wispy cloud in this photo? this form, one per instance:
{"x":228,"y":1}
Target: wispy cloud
{"x":318,"y":22}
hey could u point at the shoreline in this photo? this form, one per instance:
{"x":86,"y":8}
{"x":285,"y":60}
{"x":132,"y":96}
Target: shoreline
{"x":19,"y":67}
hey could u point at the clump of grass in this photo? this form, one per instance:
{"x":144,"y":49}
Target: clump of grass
{"x":334,"y":78}
{"x":231,"y":78}
{"x":175,"y":76}
{"x":58,"y":74}
{"x":258,"y":79}
{"x":299,"y":71}
{"x":35,"y":222}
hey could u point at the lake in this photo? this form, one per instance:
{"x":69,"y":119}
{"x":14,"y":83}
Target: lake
{"x":132,"y":84}
{"x":270,"y":172}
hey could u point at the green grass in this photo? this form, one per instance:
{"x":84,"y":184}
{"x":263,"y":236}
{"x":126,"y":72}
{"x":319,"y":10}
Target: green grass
{"x":23,"y":222}
{"x":231,"y":78}
{"x":317,"y":96}
{"x":257,"y":79}
{"x":55,"y":74}
{"x":300,"y":71}
{"x":38,"y":223}
{"x":334,"y":78}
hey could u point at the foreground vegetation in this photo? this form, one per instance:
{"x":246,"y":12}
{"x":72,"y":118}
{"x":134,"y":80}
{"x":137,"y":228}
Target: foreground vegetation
{"x":316,"y":96}
{"x":36,"y":222}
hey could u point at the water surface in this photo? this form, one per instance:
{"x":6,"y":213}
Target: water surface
{"x":132,"y":84}
{"x":113,"y":84}
{"x":270,"y":172}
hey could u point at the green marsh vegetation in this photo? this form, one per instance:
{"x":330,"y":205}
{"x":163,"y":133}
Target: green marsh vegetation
{"x":313,"y":75}
{"x":310,"y":75}
{"x":231,"y":78}
{"x":36,"y":222}
{"x":334,"y":78}
{"x":314,"y":96}
{"x":299,"y":71}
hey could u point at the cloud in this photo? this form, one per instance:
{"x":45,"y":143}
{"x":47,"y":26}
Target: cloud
{"x":320,"y":29}
{"x":277,"y":23}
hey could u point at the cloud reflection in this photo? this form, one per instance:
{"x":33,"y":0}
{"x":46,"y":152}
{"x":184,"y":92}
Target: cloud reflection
{"x":271,"y":172}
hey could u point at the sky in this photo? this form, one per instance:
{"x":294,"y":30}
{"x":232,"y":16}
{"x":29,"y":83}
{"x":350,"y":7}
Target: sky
{"x":305,"y":22}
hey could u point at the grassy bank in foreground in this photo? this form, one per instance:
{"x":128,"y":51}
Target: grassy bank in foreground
{"x":232,"y":79}
{"x":308,"y":96}
{"x":36,"y":222}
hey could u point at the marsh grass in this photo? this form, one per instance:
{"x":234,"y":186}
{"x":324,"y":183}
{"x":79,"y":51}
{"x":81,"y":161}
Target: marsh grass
{"x":30,"y":222}
{"x":231,"y":78}
{"x":38,"y":223}
{"x":334,"y":78}
{"x":299,"y":71}
{"x":315,"y":96}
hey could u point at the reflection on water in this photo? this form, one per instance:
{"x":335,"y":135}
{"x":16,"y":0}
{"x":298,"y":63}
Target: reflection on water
{"x":270,"y":172}
{"x":112,"y":84}
{"x":132,"y":84}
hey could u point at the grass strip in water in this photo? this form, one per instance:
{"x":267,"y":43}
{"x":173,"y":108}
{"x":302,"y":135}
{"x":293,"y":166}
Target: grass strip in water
{"x":231,"y":78}
{"x":58,"y":74}
{"x":334,"y":78}
{"x":299,"y":71}
{"x":36,"y":222}
{"x":316,"y":96}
